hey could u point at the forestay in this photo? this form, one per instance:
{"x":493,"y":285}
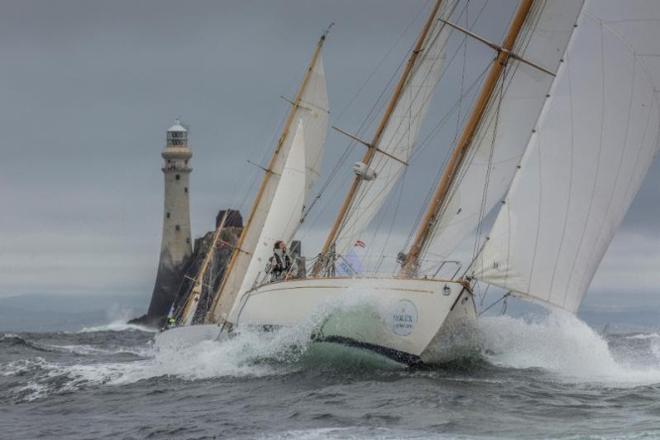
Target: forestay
{"x":400,"y":135}
{"x":309,"y":114}
{"x":593,"y":145}
{"x":506,"y":127}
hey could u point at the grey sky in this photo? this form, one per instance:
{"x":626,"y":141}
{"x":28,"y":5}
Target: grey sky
{"x":88,"y":89}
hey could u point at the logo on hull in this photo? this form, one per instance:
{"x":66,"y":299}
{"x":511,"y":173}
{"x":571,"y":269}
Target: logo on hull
{"x":403,"y":318}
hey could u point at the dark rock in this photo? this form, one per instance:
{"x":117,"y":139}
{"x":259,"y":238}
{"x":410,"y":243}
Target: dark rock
{"x":174,"y":282}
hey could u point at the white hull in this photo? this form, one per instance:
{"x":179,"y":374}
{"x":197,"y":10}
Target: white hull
{"x":408,"y":320}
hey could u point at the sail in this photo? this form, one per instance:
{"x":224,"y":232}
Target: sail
{"x":399,"y":136}
{"x":310,"y":111}
{"x":284,"y":216}
{"x":505,"y":128}
{"x":314,"y":115}
{"x":593,"y":145}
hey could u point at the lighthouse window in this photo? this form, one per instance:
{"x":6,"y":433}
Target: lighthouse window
{"x":188,"y":240}
{"x":177,"y":227}
{"x":177,"y":177}
{"x":185,"y":189}
{"x":167,"y":215}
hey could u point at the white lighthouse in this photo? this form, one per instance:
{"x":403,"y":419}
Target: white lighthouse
{"x":176,"y":245}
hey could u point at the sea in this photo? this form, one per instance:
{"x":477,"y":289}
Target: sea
{"x":545,"y":376}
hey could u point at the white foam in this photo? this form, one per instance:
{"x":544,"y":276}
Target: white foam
{"x":644,"y":336}
{"x":117,"y":326}
{"x":353,"y":433}
{"x":561,"y":344}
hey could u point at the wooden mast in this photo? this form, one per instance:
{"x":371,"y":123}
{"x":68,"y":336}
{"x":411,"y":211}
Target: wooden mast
{"x":371,"y":152}
{"x":285,"y":133}
{"x":198,"y":281}
{"x":411,"y":262}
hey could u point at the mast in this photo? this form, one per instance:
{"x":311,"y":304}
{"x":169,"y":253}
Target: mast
{"x":371,"y":150}
{"x":268,"y":173}
{"x":198,"y":282}
{"x":411,"y":262}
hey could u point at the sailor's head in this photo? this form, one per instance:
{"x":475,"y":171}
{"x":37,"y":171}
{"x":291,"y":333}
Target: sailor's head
{"x":279,"y":244}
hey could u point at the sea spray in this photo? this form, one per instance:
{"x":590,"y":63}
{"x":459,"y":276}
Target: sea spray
{"x":561,"y":344}
{"x":118,"y":325}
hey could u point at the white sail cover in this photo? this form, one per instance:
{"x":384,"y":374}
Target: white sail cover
{"x":594,"y":143}
{"x":311,"y":116}
{"x":400,"y":135}
{"x":506,"y":127}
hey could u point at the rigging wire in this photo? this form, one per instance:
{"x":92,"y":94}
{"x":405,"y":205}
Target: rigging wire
{"x":343,"y":157}
{"x":426,"y":141}
{"x":368,"y":120}
{"x":382,"y":60}
{"x":502,"y":298}
{"x":489,"y":168}
{"x":382,"y":159}
{"x":523,"y":43}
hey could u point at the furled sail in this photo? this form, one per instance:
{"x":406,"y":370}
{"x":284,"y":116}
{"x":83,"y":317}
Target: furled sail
{"x":505,"y":128}
{"x":310,"y":110}
{"x":399,"y":136}
{"x":584,"y":164}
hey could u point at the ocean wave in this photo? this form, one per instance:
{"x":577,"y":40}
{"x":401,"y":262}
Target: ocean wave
{"x":563,"y":345}
{"x":117,"y":326}
{"x":643,"y":336}
{"x":354,"y":433}
{"x":14,"y":340}
{"x":248,"y":354}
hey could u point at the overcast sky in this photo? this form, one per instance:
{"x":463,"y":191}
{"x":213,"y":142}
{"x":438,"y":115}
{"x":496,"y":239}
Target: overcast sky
{"x":88,"y":88}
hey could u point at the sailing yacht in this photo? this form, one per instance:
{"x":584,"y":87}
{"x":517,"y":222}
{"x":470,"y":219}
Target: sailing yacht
{"x":557,"y":142}
{"x":277,"y":210}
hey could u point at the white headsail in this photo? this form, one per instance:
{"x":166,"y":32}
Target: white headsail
{"x":400,"y":135}
{"x":506,"y":127}
{"x":298,"y":173}
{"x":593,"y":144}
{"x":283,"y":218}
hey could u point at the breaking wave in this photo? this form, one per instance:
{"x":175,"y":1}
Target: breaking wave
{"x":117,"y":326}
{"x":569,"y":349}
{"x":558,"y":344}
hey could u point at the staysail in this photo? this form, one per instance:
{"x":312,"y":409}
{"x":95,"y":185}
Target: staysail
{"x":485,"y":172}
{"x":283,"y":219}
{"x":309,"y":113}
{"x":584,"y":164}
{"x":397,"y":133}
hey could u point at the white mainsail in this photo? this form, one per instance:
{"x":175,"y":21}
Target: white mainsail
{"x":309,"y":114}
{"x":505,"y":129}
{"x":593,"y":145}
{"x":400,"y":135}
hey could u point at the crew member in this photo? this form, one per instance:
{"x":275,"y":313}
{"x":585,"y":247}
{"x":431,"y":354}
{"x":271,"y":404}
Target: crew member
{"x":280,"y":262}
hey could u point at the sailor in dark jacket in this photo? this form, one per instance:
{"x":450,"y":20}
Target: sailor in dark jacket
{"x":280,"y":262}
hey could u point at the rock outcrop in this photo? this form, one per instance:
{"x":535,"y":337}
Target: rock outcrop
{"x":174,"y":282}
